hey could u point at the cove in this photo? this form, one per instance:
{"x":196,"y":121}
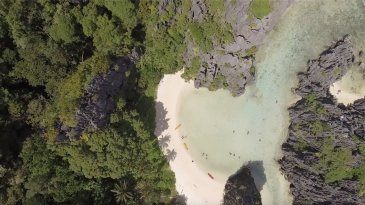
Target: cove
{"x":251,"y":128}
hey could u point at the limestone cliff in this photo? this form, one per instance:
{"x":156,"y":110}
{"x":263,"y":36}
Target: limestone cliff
{"x":249,"y":34}
{"x":240,"y":189}
{"x":323,"y":155}
{"x":230,"y":65}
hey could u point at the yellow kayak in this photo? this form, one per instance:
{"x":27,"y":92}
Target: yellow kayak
{"x":177,"y":127}
{"x":186,"y":146}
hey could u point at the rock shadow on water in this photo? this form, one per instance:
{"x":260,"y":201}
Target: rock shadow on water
{"x":245,"y":185}
{"x":258,"y":173}
{"x":161,"y":120}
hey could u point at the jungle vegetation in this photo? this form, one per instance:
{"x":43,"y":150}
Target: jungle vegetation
{"x":49,"y":52}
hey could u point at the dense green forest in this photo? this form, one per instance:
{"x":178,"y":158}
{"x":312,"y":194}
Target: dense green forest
{"x":49,"y":53}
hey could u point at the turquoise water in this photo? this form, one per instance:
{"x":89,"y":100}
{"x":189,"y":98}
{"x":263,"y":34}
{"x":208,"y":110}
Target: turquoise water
{"x":253,"y":126}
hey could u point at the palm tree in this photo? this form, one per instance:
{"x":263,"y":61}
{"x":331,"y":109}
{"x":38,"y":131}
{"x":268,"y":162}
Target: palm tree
{"x":122,"y":194}
{"x":144,"y":189}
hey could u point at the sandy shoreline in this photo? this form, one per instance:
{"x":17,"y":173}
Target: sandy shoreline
{"x":191,"y":182}
{"x":343,"y":96}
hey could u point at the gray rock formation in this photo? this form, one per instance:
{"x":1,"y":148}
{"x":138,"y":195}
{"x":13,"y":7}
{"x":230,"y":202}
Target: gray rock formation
{"x":162,"y":6}
{"x":197,"y":11}
{"x":97,"y":102}
{"x":248,"y":34}
{"x":362,"y":54}
{"x":329,"y":68}
{"x":232,"y":61}
{"x":303,"y":148}
{"x":240,"y":189}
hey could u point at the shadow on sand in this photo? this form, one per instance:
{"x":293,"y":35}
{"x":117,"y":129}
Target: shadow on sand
{"x":163,"y":141}
{"x":161,"y":120}
{"x":170,"y":154}
{"x":161,"y":126}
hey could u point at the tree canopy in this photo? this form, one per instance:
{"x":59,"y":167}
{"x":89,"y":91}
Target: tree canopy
{"x":50,"y":51}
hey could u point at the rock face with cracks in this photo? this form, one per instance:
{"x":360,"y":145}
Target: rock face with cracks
{"x":323,"y":155}
{"x":235,"y":60}
{"x":240,"y":189}
{"x":329,"y":68}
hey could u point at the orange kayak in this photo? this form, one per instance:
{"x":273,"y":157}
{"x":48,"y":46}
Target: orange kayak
{"x":186,"y":146}
{"x":210,"y":176}
{"x":177,"y":127}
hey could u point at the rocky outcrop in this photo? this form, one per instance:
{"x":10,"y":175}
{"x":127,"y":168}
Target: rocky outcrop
{"x":97,"y":102}
{"x":230,"y":65}
{"x":240,"y":189}
{"x":163,"y":5}
{"x":197,"y":11}
{"x":329,"y":68}
{"x":234,"y":60}
{"x":319,"y":126}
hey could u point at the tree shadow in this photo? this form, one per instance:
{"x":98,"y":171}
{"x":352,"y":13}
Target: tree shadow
{"x":181,"y":199}
{"x":161,"y":120}
{"x":258,"y":173}
{"x":170,"y":154}
{"x":163,"y":141}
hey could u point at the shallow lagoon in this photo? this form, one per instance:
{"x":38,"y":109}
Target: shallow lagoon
{"x":253,"y":126}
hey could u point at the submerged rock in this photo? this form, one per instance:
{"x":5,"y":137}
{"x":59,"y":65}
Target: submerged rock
{"x":323,"y":149}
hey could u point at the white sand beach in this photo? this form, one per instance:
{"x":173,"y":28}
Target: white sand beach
{"x":343,"y":96}
{"x":191,"y":181}
{"x":350,"y":88}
